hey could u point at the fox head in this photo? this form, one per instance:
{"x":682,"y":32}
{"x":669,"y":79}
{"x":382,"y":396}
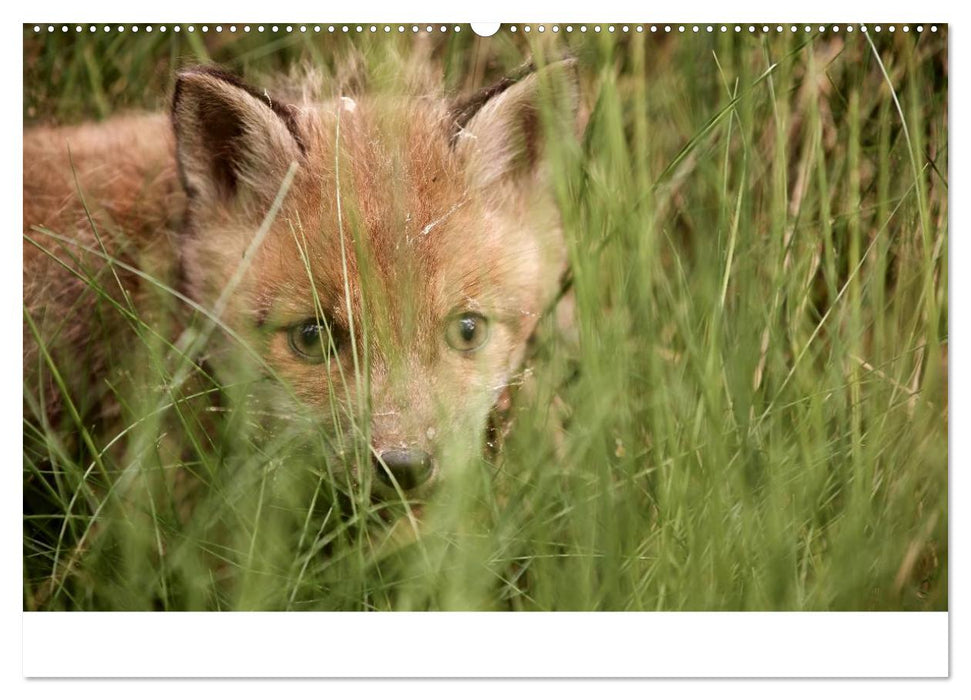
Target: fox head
{"x":384,"y":260}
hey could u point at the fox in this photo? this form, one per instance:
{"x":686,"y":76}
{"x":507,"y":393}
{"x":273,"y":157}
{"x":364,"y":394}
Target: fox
{"x":391,"y":252}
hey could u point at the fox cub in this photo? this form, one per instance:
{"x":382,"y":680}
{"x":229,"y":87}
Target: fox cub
{"x":385,"y":252}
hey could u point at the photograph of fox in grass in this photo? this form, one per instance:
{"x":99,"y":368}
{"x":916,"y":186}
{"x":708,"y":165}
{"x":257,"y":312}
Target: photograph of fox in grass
{"x":540,"y":321}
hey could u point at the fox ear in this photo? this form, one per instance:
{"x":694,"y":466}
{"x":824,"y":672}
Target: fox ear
{"x":229,"y":139}
{"x":502,"y":132}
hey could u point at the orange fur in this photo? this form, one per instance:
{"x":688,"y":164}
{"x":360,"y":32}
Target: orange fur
{"x":123,"y":171}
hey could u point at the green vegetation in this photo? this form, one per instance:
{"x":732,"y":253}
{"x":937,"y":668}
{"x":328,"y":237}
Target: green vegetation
{"x":752,"y":414}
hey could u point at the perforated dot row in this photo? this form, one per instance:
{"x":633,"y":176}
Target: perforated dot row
{"x":428,"y":28}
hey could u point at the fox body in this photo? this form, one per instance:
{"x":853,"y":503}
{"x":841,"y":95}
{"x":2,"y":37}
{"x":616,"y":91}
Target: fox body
{"x":380,"y":252}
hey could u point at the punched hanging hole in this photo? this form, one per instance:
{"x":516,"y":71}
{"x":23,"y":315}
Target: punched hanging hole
{"x":485,"y":28}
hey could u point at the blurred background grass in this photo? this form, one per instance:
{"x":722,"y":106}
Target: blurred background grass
{"x":752,"y":416}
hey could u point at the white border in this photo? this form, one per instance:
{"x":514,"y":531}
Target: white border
{"x":536,"y":11}
{"x":470,"y":645}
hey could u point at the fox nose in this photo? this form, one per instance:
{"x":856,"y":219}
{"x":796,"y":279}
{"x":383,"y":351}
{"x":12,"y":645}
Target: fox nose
{"x":410,"y":468}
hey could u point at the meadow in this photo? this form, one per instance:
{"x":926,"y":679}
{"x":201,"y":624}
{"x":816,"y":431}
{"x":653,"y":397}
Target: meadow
{"x":749,"y":410}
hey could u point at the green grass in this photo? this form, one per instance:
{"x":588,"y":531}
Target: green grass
{"x":752,"y":416}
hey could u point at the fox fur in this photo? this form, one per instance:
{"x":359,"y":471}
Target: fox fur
{"x":385,"y":218}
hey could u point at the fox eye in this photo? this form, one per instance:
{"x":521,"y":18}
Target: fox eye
{"x":310,"y":341}
{"x":467,"y":331}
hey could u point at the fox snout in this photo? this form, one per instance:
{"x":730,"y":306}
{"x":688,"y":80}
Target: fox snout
{"x":405,"y":455}
{"x":404,"y":469}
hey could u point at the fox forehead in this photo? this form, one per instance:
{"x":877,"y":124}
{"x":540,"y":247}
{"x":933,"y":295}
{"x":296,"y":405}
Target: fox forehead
{"x":402,"y":210}
{"x":383,"y":200}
